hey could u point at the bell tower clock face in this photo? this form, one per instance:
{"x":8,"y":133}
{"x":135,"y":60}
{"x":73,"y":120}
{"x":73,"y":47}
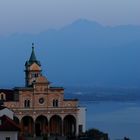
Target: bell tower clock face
{"x":41,"y":100}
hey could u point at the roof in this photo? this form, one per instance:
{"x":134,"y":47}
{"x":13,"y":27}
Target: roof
{"x":56,"y":88}
{"x":8,"y":124}
{"x":41,"y":79}
{"x":23,"y":88}
{"x":33,"y":58}
{"x":2,"y":107}
{"x":70,"y":99}
{"x":9,"y":94}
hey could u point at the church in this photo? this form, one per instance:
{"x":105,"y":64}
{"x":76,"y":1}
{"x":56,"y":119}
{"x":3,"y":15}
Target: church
{"x":39,"y":108}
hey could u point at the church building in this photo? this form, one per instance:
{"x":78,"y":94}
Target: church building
{"x":39,"y":108}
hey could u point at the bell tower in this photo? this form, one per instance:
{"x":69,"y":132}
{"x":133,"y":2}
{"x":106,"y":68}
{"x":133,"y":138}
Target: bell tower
{"x":32,"y":69}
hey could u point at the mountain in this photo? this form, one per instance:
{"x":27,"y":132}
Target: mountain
{"x":84,"y":53}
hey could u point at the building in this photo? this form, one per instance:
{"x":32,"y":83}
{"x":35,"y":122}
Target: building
{"x":5,"y":111}
{"x":8,"y":128}
{"x":40,"y":108}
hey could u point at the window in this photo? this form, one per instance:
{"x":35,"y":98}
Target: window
{"x":7,"y":138}
{"x":34,"y":75}
{"x":2,"y":96}
{"x":80,"y":128}
{"x":55,"y":103}
{"x":27,"y":103}
{"x":41,"y":100}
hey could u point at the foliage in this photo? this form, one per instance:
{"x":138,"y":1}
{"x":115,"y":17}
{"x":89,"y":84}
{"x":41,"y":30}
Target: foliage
{"x":96,"y":134}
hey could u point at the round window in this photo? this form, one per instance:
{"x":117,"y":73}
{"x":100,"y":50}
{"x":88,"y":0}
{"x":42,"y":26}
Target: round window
{"x":41,"y":100}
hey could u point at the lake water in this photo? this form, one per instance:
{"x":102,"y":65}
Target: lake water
{"x":115,"y":111}
{"x":118,"y":119}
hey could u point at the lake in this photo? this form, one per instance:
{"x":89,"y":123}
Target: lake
{"x":117,"y":118}
{"x":115,"y":111}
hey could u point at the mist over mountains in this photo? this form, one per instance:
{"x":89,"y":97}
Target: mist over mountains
{"x":83,"y":53}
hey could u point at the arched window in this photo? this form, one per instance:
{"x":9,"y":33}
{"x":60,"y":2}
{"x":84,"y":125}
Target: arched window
{"x":2,"y":96}
{"x":27,"y":103}
{"x":55,"y":103}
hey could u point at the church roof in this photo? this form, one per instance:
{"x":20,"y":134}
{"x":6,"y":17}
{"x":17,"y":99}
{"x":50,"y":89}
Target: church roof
{"x":33,"y":58}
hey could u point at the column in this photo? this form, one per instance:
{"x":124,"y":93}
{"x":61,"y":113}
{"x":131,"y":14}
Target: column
{"x":48,"y":126}
{"x":62,"y":127}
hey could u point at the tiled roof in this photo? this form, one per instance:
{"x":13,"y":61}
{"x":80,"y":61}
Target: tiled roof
{"x":8,"y":124}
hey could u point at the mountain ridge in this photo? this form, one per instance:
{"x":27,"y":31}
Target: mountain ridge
{"x":82,"y":53}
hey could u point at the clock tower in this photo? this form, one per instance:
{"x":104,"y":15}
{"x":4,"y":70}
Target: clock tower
{"x":32,"y":69}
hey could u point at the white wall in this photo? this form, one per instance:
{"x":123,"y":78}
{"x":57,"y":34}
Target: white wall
{"x":81,"y":118}
{"x":6,"y":112}
{"x":12,"y":135}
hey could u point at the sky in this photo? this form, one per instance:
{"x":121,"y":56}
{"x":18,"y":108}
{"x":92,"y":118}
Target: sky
{"x":34,"y":16}
{"x":18,"y":18}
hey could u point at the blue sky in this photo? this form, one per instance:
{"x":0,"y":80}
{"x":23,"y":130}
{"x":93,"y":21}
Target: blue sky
{"x":33,"y":16}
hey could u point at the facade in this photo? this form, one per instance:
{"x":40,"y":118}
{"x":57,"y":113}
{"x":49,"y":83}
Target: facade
{"x":9,"y":135}
{"x":41,"y":109}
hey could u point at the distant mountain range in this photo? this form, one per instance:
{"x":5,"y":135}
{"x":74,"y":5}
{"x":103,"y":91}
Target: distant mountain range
{"x":93,"y":94}
{"x":82,"y":53}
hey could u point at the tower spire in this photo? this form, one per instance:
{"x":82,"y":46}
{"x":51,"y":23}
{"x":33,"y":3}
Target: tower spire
{"x":32,"y":68}
{"x":33,"y":57}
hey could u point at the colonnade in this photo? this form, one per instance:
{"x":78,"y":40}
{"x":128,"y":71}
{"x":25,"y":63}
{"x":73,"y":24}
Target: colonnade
{"x":44,"y":126}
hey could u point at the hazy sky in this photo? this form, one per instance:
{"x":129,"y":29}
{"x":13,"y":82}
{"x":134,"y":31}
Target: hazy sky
{"x":33,"y":16}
